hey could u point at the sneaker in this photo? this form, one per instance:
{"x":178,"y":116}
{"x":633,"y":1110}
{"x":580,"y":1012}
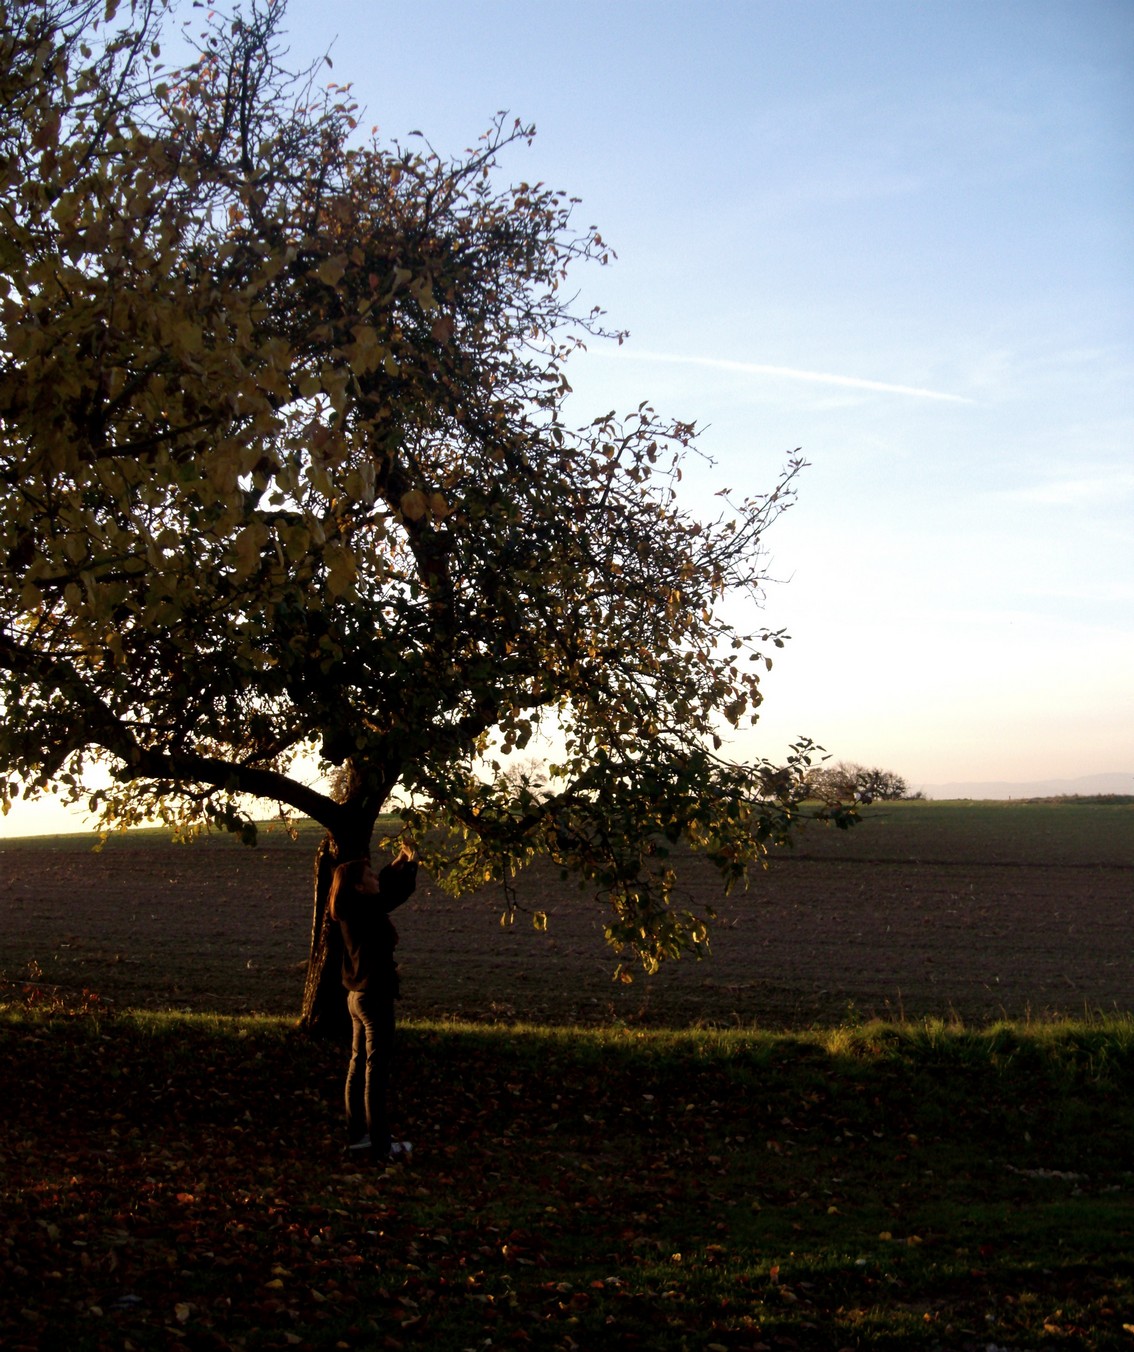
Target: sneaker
{"x":360,"y":1146}
{"x":401,"y":1152}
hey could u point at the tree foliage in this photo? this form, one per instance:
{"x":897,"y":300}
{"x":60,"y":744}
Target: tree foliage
{"x":286,"y":472}
{"x":846,"y":781}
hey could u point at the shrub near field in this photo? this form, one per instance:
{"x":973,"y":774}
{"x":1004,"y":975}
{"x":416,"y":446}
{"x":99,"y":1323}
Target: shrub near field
{"x":926,"y":909}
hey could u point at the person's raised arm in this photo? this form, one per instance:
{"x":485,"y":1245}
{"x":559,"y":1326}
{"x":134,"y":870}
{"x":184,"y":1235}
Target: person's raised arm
{"x":396,"y":882}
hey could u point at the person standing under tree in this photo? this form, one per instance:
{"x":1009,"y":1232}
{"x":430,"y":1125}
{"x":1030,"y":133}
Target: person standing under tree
{"x":361,"y":901}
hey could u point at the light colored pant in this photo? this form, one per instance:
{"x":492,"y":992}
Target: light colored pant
{"x":368,"y":1075}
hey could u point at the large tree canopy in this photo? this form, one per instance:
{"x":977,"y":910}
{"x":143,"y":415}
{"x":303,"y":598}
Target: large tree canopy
{"x":286,"y":473}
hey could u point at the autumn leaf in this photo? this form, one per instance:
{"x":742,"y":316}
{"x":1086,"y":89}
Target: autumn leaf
{"x":414,"y":505}
{"x":331,"y":270}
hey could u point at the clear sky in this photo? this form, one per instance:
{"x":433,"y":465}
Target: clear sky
{"x":897,"y":234}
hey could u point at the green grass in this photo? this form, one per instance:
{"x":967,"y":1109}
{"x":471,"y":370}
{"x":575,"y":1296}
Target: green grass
{"x":1075,"y":832}
{"x":177,"y":1180}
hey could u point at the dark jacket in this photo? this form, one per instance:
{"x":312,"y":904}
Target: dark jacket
{"x":369,"y":936}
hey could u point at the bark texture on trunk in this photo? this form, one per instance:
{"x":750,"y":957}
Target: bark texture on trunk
{"x":324,"y":1014}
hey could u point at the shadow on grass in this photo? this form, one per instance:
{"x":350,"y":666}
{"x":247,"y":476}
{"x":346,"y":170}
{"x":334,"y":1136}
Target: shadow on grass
{"x":179,"y":1180}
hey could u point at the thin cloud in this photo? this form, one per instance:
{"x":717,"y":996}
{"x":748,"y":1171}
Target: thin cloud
{"x":791,"y":373}
{"x":1105,"y":488}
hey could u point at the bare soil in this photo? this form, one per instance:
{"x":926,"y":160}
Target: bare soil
{"x":975,"y":911}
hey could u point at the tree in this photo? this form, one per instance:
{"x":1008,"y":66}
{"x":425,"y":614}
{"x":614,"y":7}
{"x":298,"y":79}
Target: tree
{"x":285,"y":471}
{"x":846,"y":781}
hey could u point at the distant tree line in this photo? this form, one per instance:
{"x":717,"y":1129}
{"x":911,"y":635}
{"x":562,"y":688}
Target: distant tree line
{"x":847,"y":781}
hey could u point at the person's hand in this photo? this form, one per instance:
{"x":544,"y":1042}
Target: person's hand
{"x":399,"y":878}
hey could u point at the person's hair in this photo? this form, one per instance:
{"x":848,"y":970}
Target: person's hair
{"x":346,"y":877}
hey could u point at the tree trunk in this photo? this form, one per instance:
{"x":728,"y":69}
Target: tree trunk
{"x":324,"y":1014}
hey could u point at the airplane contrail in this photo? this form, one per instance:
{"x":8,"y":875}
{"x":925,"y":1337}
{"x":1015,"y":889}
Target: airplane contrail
{"x":790,"y":373}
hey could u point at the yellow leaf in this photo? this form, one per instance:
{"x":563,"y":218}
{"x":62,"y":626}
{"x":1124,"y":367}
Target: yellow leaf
{"x":367,"y":352}
{"x":330,"y":270}
{"x":342,"y":572}
{"x":248,"y":545}
{"x":414,"y":505}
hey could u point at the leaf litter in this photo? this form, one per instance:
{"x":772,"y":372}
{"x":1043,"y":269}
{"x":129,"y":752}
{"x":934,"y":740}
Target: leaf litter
{"x":184,"y":1184}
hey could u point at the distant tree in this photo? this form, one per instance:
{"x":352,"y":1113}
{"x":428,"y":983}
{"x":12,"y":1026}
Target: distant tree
{"x":284,"y":472}
{"x":846,"y":781}
{"x":875,"y":783}
{"x":526,"y":775}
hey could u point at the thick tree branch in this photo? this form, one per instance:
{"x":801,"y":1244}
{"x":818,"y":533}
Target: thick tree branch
{"x":95,"y":725}
{"x":185,"y":768}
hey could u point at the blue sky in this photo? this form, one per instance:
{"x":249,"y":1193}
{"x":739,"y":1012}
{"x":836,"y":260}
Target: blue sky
{"x":931,"y":203}
{"x":937,"y":197}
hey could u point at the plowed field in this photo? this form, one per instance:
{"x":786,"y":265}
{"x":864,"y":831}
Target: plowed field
{"x":982,"y":911}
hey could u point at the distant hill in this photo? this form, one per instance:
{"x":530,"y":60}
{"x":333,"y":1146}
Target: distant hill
{"x":1032,"y":788}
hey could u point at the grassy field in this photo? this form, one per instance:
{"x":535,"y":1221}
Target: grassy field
{"x":925,"y":910}
{"x":1096,"y":830}
{"x":1090,"y":832}
{"x":176,"y":1179}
